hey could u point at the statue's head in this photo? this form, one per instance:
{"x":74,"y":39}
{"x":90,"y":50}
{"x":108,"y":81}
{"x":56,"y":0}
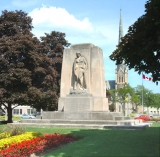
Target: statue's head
{"x":78,"y":54}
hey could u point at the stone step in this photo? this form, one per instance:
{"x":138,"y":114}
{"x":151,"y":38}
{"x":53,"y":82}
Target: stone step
{"x":123,"y":118}
{"x":87,"y":126}
{"x":55,"y":121}
{"x":132,"y":127}
{"x":83,"y":122}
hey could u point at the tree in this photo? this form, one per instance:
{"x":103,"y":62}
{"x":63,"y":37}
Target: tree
{"x":150,"y":99}
{"x":135,"y":100}
{"x":156,"y":101}
{"x":140,"y":47}
{"x":26,"y":75}
{"x":53,"y":45}
{"x":119,"y":95}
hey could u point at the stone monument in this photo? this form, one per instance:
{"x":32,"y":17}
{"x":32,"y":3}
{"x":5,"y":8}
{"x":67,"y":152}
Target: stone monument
{"x":83,"y":87}
{"x":83,"y":102}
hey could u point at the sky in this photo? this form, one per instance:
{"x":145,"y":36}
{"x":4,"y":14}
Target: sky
{"x":86,"y":21}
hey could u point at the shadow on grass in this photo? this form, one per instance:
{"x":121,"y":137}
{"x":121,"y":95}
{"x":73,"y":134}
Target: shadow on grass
{"x":112,"y":143}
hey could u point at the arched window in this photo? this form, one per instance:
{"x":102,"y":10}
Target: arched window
{"x":122,"y":78}
{"x":119,"y":79}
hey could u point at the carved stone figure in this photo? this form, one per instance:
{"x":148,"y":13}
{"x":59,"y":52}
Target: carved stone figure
{"x":80,"y":67}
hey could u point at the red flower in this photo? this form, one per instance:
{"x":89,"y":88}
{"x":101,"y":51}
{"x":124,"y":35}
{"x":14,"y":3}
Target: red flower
{"x":35,"y":145}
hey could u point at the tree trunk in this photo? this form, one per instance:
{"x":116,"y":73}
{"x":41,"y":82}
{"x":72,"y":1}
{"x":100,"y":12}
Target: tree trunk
{"x":9,"y":111}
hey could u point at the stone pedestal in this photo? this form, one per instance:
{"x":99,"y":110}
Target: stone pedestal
{"x":82,"y":104}
{"x":92,"y":96}
{"x":81,"y":116}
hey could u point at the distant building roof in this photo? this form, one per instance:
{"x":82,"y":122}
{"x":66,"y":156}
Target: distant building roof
{"x":110,"y":84}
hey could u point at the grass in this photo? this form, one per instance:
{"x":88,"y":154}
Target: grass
{"x":107,"y":143}
{"x":15,"y":118}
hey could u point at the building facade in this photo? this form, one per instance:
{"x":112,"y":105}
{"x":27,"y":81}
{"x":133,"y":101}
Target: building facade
{"x":121,"y":72}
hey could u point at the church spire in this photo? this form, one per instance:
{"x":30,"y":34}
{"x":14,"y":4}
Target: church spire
{"x":120,"y":28}
{"x":119,"y":40}
{"x":121,"y":71}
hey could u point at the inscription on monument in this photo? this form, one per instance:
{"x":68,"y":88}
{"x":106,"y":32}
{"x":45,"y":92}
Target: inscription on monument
{"x":74,"y":104}
{"x":71,"y":104}
{"x":84,"y":105}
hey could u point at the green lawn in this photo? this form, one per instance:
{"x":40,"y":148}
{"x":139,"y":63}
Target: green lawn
{"x":15,"y":118}
{"x":107,"y":143}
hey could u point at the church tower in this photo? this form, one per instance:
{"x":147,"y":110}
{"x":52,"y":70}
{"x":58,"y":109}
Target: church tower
{"x":121,"y":70}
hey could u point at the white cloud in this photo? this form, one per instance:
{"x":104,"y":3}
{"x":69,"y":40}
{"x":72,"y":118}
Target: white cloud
{"x":58,"y":17}
{"x":47,"y":19}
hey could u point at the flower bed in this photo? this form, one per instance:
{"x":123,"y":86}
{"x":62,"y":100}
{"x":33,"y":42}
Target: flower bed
{"x":35,"y":145}
{"x":6,"y":142}
{"x":4,"y":135}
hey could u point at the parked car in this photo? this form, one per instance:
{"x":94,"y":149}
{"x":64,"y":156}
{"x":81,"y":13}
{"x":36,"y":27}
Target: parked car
{"x":26,"y":116}
{"x":143,"y":117}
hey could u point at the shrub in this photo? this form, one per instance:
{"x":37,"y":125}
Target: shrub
{"x":132,"y":114}
{"x":155,"y":119}
{"x":14,"y":130}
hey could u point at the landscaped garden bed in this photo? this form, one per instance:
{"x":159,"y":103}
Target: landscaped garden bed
{"x":102,"y":142}
{"x":25,"y":144}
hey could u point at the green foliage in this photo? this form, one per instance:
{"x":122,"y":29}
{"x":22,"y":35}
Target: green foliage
{"x":150,"y":99}
{"x":156,"y":100}
{"x":52,"y":45}
{"x":140,"y":47}
{"x":120,"y":95}
{"x":132,"y":115}
{"x":29,"y":68}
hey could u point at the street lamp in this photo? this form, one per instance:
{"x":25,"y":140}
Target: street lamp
{"x":128,"y":106}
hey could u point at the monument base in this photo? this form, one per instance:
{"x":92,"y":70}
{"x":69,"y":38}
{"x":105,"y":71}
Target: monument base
{"x":80,"y":103}
{"x":80,"y":115}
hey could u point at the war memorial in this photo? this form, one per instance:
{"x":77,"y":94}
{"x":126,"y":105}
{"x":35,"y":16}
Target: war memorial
{"x":83,"y":88}
{"x":82,"y":102}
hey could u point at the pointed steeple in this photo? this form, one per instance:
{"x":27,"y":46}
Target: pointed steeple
{"x":120,"y":28}
{"x":121,"y":70}
{"x":119,"y":40}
